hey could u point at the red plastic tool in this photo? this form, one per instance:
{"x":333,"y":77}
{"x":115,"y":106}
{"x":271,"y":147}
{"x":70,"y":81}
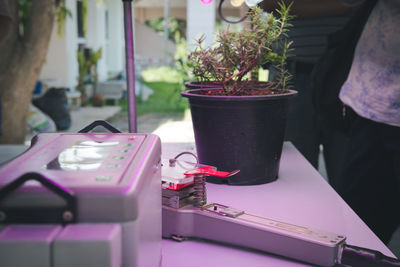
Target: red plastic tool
{"x":208,"y":170}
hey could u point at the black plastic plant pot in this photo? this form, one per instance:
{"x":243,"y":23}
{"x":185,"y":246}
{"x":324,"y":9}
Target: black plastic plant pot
{"x":240,"y":132}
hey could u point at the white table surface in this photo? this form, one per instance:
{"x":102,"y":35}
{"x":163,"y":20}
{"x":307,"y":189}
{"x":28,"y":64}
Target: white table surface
{"x":300,"y":196}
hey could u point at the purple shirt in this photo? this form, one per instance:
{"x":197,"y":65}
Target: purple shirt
{"x":372,"y":88}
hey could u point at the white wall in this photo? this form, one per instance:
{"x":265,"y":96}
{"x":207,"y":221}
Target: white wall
{"x":149,"y":44}
{"x":115,"y":46}
{"x":96,"y":36}
{"x":200,"y":21}
{"x":71,"y":39}
{"x":60,"y":67}
{"x":61,"y":64}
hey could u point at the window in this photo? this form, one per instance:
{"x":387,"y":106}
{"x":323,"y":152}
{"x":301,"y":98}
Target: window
{"x":107,"y":25}
{"x":80,"y":18}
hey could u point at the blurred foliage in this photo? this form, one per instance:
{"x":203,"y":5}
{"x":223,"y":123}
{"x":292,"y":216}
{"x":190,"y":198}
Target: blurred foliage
{"x":24,"y":8}
{"x":87,"y":69}
{"x":165,"y":99}
{"x":181,"y":58}
{"x":167,"y":82}
{"x":174,"y":25}
{"x":62,"y":14}
{"x":163,"y":74}
{"x":84,"y":16}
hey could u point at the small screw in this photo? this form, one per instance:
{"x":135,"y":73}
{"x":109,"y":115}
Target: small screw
{"x":68,"y":216}
{"x":2,"y":216}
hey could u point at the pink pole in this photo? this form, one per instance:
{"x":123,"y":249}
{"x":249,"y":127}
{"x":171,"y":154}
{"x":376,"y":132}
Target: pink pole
{"x":130,"y":65}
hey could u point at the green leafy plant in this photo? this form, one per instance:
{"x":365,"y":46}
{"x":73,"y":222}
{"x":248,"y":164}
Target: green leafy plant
{"x":181,"y":57}
{"x":175,"y":25}
{"x":83,"y":71}
{"x":93,"y":59}
{"x":236,"y":54}
{"x":62,"y":14}
{"x":24,"y":8}
{"x":87,"y":69}
{"x":84,"y":16}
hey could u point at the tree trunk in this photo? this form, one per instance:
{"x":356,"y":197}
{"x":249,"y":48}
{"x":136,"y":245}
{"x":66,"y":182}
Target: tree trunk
{"x":21,"y":60}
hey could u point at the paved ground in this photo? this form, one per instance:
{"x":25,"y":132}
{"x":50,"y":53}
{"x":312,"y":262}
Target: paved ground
{"x":170,"y":127}
{"x":85,"y":115}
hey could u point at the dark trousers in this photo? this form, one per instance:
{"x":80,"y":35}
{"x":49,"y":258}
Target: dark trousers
{"x":370,"y":181}
{"x":305,"y":129}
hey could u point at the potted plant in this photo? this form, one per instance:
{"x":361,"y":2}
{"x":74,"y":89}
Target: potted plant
{"x":83,"y":72}
{"x":240,"y":123}
{"x":88,"y":74}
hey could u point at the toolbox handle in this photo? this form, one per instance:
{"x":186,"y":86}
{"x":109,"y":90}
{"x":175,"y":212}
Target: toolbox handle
{"x":64,"y":215}
{"x":94,"y":124}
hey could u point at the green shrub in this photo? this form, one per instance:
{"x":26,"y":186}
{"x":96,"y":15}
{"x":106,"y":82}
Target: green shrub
{"x":162,"y":74}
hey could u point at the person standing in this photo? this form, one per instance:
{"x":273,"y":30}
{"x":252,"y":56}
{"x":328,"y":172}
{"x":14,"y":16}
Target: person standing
{"x":314,"y":21}
{"x":370,"y":179}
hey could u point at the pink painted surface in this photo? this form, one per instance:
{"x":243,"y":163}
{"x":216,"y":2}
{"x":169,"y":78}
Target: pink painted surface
{"x":300,"y":196}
